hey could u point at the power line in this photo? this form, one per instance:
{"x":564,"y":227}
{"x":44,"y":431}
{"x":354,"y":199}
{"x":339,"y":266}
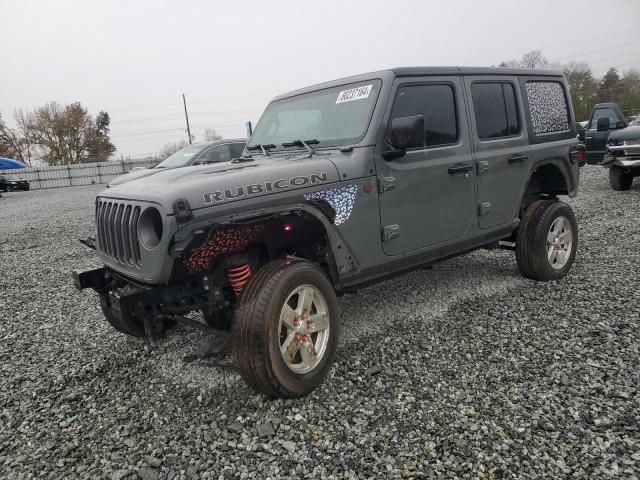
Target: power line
{"x":613,"y":47}
{"x":148,"y":132}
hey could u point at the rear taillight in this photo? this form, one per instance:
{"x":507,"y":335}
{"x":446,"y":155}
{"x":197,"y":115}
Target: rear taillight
{"x":577,"y":153}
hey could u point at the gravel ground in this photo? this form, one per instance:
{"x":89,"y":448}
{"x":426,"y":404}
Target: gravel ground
{"x":466,"y":370}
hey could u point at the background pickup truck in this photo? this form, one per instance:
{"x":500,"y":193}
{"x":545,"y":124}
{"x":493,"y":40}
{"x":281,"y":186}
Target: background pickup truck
{"x":605,"y":118}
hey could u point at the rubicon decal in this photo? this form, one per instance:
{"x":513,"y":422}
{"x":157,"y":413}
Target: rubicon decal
{"x":266,"y":187}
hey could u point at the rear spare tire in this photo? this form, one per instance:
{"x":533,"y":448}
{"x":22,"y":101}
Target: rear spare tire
{"x":285,"y":331}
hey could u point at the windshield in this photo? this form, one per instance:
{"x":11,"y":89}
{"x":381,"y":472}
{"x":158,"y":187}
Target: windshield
{"x":180,"y":158}
{"x":334,"y":116}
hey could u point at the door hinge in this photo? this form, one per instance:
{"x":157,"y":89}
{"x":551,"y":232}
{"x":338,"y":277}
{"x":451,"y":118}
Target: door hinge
{"x":484,"y":208}
{"x":386,"y":183}
{"x":483,"y":167}
{"x":390,"y":232}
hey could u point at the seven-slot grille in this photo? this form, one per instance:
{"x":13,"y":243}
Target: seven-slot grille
{"x":117,"y":231}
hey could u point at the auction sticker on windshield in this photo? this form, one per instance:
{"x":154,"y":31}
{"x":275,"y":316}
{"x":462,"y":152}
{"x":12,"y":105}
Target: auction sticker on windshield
{"x":352,"y":94}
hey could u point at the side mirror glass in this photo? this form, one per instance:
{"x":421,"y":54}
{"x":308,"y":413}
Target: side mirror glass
{"x":603,"y":124}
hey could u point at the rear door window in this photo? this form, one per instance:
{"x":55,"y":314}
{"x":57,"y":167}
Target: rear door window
{"x":495,"y":110}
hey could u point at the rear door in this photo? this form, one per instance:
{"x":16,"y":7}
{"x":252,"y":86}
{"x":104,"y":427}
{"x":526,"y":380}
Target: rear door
{"x":427,"y":196}
{"x":501,"y":147}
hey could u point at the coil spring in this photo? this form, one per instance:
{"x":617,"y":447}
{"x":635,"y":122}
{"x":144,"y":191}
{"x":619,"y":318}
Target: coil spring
{"x":238,"y":277}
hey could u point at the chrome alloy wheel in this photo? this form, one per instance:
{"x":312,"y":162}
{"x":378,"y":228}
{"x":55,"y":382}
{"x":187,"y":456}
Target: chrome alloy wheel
{"x":559,"y":243}
{"x":304,"y":329}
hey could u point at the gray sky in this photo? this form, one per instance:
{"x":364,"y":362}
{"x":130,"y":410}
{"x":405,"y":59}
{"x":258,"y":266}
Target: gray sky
{"x":135,"y":58}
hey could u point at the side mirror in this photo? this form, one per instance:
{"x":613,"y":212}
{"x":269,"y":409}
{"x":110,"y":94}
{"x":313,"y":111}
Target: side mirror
{"x":603,"y":124}
{"x":407,"y":132}
{"x":621,"y":124}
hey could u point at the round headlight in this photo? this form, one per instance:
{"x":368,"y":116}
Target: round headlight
{"x":150,"y":227}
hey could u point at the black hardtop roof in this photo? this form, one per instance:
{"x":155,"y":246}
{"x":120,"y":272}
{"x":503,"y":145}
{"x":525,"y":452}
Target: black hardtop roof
{"x":425,"y":71}
{"x":422,"y":72}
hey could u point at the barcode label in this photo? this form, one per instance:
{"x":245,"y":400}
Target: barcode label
{"x":352,"y":94}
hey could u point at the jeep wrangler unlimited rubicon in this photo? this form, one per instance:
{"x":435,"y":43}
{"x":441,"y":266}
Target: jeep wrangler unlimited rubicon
{"x":341,"y":185}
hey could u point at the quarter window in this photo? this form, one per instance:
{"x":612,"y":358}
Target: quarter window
{"x":547,"y":106}
{"x":436,"y":104}
{"x":495,"y":109}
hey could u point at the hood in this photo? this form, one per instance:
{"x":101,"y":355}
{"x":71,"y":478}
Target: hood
{"x":222,"y":183}
{"x":629,"y":133}
{"x":127,"y":177}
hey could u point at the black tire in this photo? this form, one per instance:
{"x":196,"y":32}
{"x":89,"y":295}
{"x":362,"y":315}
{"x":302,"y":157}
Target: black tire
{"x":531,"y":243}
{"x":256,"y":333}
{"x":619,"y":179}
{"x":129,"y":325}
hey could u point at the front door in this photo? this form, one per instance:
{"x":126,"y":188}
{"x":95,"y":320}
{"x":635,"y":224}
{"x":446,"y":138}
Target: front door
{"x":595,"y":141}
{"x":501,"y":147}
{"x":427,"y":195}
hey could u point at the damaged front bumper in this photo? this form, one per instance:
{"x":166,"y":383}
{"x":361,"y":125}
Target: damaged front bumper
{"x":623,"y":156}
{"x":152,"y":304}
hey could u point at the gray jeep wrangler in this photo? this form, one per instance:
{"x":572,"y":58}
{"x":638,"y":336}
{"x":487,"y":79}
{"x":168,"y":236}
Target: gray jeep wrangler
{"x":341,"y":185}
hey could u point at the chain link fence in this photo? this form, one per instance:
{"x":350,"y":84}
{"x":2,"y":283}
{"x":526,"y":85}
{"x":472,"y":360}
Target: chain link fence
{"x":81,"y":174}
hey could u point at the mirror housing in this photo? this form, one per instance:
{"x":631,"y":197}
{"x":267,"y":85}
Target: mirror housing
{"x":621,"y":124}
{"x":603,"y":124}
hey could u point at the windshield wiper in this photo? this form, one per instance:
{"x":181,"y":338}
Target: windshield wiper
{"x":265,"y":148}
{"x":303,"y":143}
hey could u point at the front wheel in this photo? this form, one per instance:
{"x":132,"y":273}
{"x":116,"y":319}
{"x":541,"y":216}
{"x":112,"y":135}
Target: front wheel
{"x":547,"y":240}
{"x":285,"y":331}
{"x":619,"y":179}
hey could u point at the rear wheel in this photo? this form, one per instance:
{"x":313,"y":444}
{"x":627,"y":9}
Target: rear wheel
{"x":619,"y":179}
{"x":547,"y":240}
{"x":286,"y":328}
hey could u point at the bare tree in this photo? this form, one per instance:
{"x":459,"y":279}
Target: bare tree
{"x":171,"y":148}
{"x":210,"y":135}
{"x":583,"y":87}
{"x":10,"y":144}
{"x":532,"y":59}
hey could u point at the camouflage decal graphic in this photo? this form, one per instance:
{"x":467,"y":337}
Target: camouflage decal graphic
{"x":222,"y":241}
{"x":548,"y":107}
{"x":341,"y":200}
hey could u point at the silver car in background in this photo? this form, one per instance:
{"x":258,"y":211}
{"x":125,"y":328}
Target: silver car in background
{"x":196,"y":154}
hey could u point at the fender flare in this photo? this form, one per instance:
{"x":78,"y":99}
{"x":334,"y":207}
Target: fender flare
{"x":341,"y":261}
{"x":561,"y":165}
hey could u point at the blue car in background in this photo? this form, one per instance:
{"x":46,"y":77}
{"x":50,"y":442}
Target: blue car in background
{"x":10,"y":164}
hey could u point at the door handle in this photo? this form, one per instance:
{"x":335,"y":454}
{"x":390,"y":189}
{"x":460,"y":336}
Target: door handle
{"x":588,"y":138}
{"x":517,"y":158}
{"x":460,"y":168}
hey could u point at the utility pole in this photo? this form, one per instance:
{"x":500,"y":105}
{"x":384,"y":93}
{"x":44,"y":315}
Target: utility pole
{"x":186,"y":115}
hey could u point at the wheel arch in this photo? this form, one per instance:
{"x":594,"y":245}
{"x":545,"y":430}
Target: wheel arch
{"x":295,"y":230}
{"x":548,"y":178}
